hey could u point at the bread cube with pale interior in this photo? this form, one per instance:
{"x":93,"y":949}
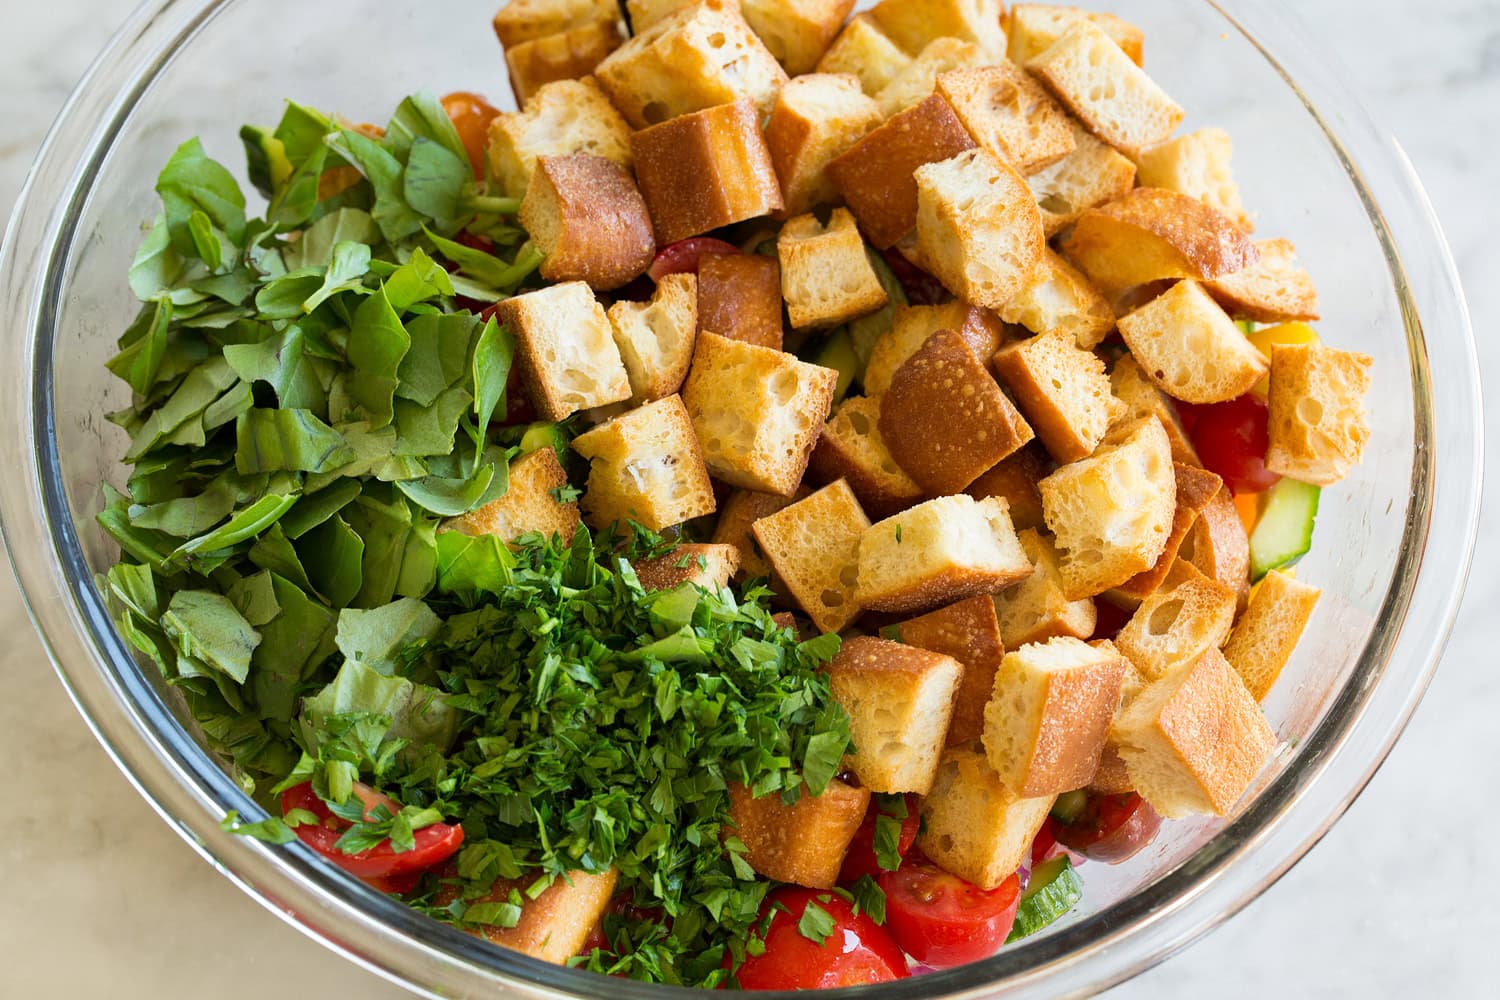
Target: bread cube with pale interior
{"x":1037,"y":608}
{"x":554,"y":925}
{"x":938,"y":552}
{"x":917,"y":79}
{"x":567,"y":116}
{"x":899,"y":700}
{"x":757,"y":412}
{"x":1093,"y":174}
{"x":816,"y":118}
{"x":739,"y":297}
{"x":911,"y":325}
{"x":707,"y":565}
{"x":1198,"y":165}
{"x":1196,"y":489}
{"x":803,"y":843}
{"x":826,"y":274}
{"x":644,"y":466}
{"x":914,"y":24}
{"x":525,"y":20}
{"x":1264,"y":638}
{"x":867,"y":52}
{"x":1218,"y":545}
{"x":968,"y":632}
{"x":973,"y":825}
{"x":1272,"y":290}
{"x":1015,"y":479}
{"x":875,"y":174}
{"x":1143,"y":399}
{"x":1317,"y":423}
{"x":797,"y":32}
{"x":1194,"y":740}
{"x":700,"y":56}
{"x":1033,"y":28}
{"x":736,"y":515}
{"x":1190,"y":349}
{"x":1009,"y":114}
{"x":1063,"y":392}
{"x":978,"y":229}
{"x":655,"y":338}
{"x":568,"y":55}
{"x":529,"y":505}
{"x":1186,"y":615}
{"x":945,"y":419}
{"x":1057,"y":298}
{"x":566,"y":350}
{"x":645,"y":13}
{"x":813,"y":548}
{"x":1111,"y":513}
{"x":852,"y":448}
{"x":586,"y":216}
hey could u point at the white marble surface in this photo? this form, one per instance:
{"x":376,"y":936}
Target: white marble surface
{"x":101,"y":900}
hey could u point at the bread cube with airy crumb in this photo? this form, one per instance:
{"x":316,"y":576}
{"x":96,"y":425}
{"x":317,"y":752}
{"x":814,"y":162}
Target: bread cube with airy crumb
{"x":1010,"y":115}
{"x":736,"y":516}
{"x":1037,"y":608}
{"x":1033,"y":28}
{"x":739,"y":297}
{"x":1190,"y":348}
{"x":697,"y":57}
{"x":1219,"y":546}
{"x":655,"y":338}
{"x":1093,"y":174}
{"x":586,"y":216}
{"x":1198,"y":165}
{"x":803,"y":843}
{"x":826,"y":274}
{"x":911,"y":325}
{"x":554,"y":925}
{"x":813,"y":548}
{"x":969,"y":632}
{"x":566,"y":349}
{"x":868,"y":53}
{"x":852,"y":448}
{"x":1063,"y":392}
{"x":644,"y":466}
{"x":1196,"y":489}
{"x":1143,"y":399}
{"x":796,"y":32}
{"x":530,"y":504}
{"x":526,"y":20}
{"x":917,"y":79}
{"x":1317,"y":423}
{"x":1186,"y":615}
{"x":567,"y":116}
{"x":816,"y":118}
{"x":707,"y":565}
{"x":757,"y":412}
{"x":567,"y":55}
{"x":704,"y":170}
{"x":915,"y":24}
{"x":938,"y":552}
{"x":1267,"y":634}
{"x":645,"y":13}
{"x":1015,"y":479}
{"x":1111,"y":513}
{"x":973,"y":825}
{"x":899,"y":700}
{"x":1272,"y":290}
{"x":1194,"y":740}
{"x":1058,"y":298}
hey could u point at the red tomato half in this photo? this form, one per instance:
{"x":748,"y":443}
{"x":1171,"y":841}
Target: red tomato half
{"x":682,"y":257}
{"x":1111,"y":828}
{"x":1044,"y":845}
{"x":434,"y":844}
{"x":859,"y":951}
{"x":1231,"y":439}
{"x":861,"y":858}
{"x":943,"y":921}
{"x":471,"y":115}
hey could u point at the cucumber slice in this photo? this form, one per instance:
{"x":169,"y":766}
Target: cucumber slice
{"x":1283,"y":534}
{"x":1069,"y":806}
{"x":1054,"y":889}
{"x":863,"y":332}
{"x":837,"y":352}
{"x":544,"y":435}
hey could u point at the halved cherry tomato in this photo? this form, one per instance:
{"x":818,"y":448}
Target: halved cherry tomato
{"x":1111,"y":828}
{"x":861,"y":858}
{"x":858,"y":951}
{"x":941,"y":920}
{"x":682,"y":257}
{"x":471,"y":115}
{"x":434,"y":844}
{"x":1044,"y":845}
{"x":921,"y":288}
{"x":1231,"y":438}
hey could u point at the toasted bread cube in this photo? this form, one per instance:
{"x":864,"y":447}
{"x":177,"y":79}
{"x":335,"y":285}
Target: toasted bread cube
{"x":645,"y":13}
{"x":656,"y":338}
{"x":529,"y":505}
{"x":1106,"y":90}
{"x":736,"y":515}
{"x":526,"y":20}
{"x":644,"y":466}
{"x":586,"y":216}
{"x":1057,"y":298}
{"x":915,"y":24}
{"x":815,"y":119}
{"x":979,"y":328}
{"x":917,"y":79}
{"x":1033,"y":28}
{"x":739,"y":297}
{"x":1015,"y":479}
{"x":1093,"y":174}
{"x":973,"y":825}
{"x":851,"y":448}
{"x":567,"y":55}
{"x":813,"y":547}
{"x":704,"y":170}
{"x":710,"y":566}
{"x":1037,"y":608}
{"x":1112,"y":512}
{"x":867,"y":52}
{"x":803,"y":843}
{"x":568,"y":116}
{"x":1112,"y":777}
{"x":797,"y":32}
{"x":968,"y":632}
{"x":875,"y":175}
{"x":1143,"y":399}
{"x":1190,"y":349}
{"x":1196,"y":489}
{"x":1197,"y":165}
{"x":826,"y":274}
{"x":1063,"y":392}
{"x":566,"y":349}
{"x":757,"y":412}
{"x":945,"y":419}
{"x":694,"y":58}
{"x":1010,"y":115}
{"x":1187,"y":614}
{"x":1150,"y":235}
{"x":1263,"y":640}
{"x":552,"y":927}
{"x":1317,"y":422}
{"x":1272,"y":290}
{"x":1045,"y":726}
{"x":978,"y":228}
{"x":1194,"y":740}
{"x":899,"y":700}
{"x":1219,"y":546}
{"x":938,"y":552}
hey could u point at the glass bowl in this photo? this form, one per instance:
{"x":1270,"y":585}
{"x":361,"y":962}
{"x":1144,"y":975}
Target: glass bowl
{"x":1391,"y":552}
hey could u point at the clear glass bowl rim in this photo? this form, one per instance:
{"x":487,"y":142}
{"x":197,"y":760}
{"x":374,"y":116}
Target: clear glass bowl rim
{"x":192,"y":795}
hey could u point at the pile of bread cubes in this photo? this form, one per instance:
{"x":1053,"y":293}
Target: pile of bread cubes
{"x":959,"y":520}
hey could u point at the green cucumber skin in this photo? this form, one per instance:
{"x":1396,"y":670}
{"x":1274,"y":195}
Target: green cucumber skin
{"x":1055,"y":888}
{"x":837,"y":352}
{"x":1284,"y":532}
